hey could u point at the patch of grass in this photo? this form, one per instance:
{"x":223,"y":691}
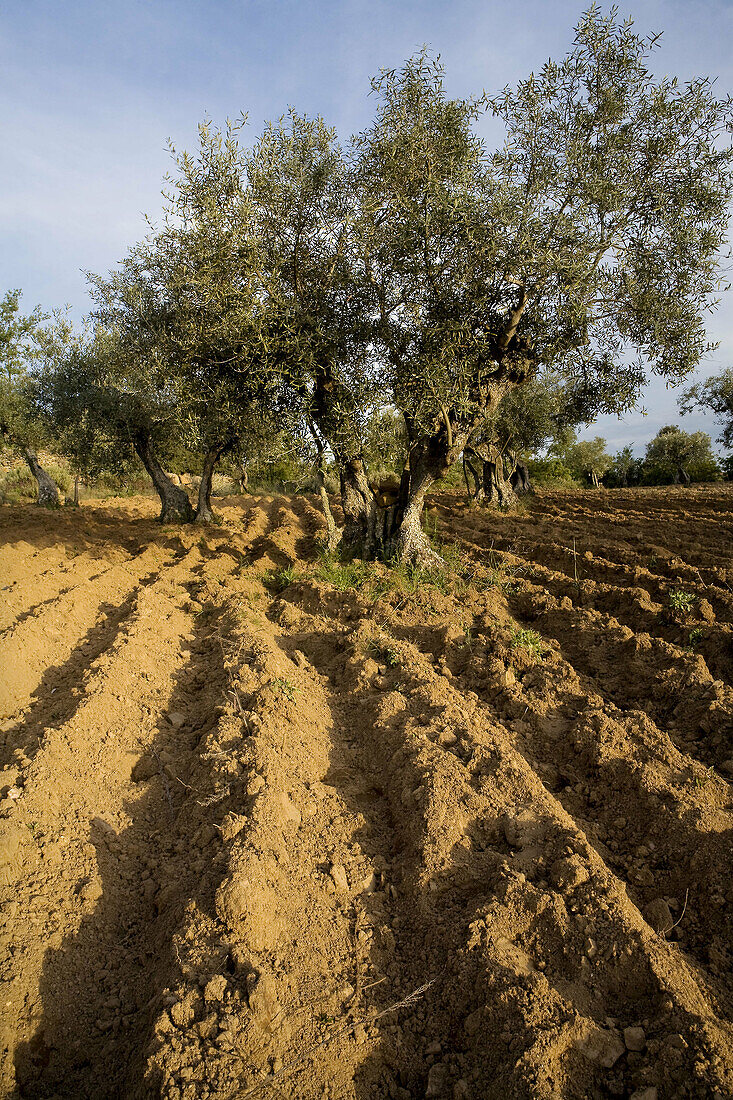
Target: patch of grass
{"x":682,"y":601}
{"x":529,"y":640}
{"x":279,"y":579}
{"x":344,"y":575}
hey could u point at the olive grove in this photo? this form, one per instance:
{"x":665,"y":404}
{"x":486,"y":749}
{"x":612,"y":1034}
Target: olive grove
{"x":471,"y":301}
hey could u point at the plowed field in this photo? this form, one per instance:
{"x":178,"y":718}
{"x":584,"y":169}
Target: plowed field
{"x":274,"y":827}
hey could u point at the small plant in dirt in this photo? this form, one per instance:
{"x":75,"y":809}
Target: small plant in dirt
{"x":343,"y":575}
{"x":503,"y":577}
{"x":284,"y":687}
{"x":694,"y":637}
{"x":681,"y":601}
{"x":277,"y":580}
{"x":384,"y":649}
{"x":528,"y":640}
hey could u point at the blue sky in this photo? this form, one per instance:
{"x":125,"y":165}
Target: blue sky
{"x":90,"y":93}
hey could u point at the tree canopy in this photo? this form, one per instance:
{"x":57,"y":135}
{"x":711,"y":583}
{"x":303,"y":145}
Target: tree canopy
{"x":715,"y":394}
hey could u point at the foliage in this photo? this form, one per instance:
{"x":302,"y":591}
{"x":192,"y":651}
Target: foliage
{"x":715,"y":394}
{"x":20,"y":351}
{"x":385,"y":443}
{"x":673,"y":450}
{"x":314,"y":334}
{"x":682,"y":601}
{"x":553,"y":473}
{"x":588,"y":457}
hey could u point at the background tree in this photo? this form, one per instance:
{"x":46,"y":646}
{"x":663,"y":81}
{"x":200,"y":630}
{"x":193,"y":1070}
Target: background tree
{"x":588,"y":458}
{"x":211,"y":315}
{"x":84,"y":439}
{"x":625,"y":469}
{"x":529,"y":419}
{"x":674,"y":456}
{"x":21,"y":426}
{"x":124,"y":391}
{"x":715,"y":394}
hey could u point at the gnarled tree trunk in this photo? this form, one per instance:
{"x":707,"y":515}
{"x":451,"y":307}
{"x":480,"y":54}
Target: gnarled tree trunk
{"x":429,"y":460}
{"x":496,"y":488}
{"x":360,"y":510}
{"x":519,"y":479}
{"x":244,"y":476}
{"x":212,"y":456}
{"x":48,"y":490}
{"x":332,"y":533}
{"x":175,"y":505}
{"x":477,"y":492}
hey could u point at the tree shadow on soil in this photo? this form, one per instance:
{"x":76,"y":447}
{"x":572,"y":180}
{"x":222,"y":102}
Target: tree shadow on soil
{"x":62,"y":691}
{"x":103,"y":987}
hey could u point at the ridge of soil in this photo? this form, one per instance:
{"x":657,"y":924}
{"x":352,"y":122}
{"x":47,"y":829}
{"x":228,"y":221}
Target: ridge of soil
{"x":271,"y":829}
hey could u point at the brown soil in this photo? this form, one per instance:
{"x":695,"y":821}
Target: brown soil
{"x":266,"y":834}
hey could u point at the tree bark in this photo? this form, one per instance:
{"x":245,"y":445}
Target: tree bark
{"x":332,"y":534}
{"x":497,"y":489}
{"x":48,"y":490}
{"x":175,"y":505}
{"x":429,"y":460}
{"x":477,"y":493}
{"x":244,"y":477}
{"x":519,"y":480}
{"x":212,"y":456}
{"x":360,"y":510}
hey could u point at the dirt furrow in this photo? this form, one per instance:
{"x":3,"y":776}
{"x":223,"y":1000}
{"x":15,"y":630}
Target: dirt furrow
{"x":442,"y":886}
{"x":67,"y":631}
{"x":98,"y":867}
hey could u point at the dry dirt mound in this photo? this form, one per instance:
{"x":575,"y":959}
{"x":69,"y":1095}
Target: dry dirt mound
{"x":278,"y":828}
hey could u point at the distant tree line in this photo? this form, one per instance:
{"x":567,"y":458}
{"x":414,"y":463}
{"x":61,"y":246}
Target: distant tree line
{"x":414,"y":290}
{"x":672,"y":457}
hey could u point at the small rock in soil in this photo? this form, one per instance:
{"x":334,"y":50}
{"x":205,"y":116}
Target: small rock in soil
{"x":338,"y":874}
{"x":659,"y":915}
{"x":215,"y":989}
{"x":634,"y":1038}
{"x":436,"y":1080}
{"x":602,"y":1047}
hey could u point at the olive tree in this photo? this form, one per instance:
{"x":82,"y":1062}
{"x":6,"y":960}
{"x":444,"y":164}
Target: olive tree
{"x":676,"y":456}
{"x":22,"y":340}
{"x":587,"y":244}
{"x":185,"y":318}
{"x":715,"y":394}
{"x":315,"y":331}
{"x":625,"y":469}
{"x":588,"y":458}
{"x":213,"y":311}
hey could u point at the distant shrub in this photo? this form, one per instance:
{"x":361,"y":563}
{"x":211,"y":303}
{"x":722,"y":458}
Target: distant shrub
{"x":553,"y":473}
